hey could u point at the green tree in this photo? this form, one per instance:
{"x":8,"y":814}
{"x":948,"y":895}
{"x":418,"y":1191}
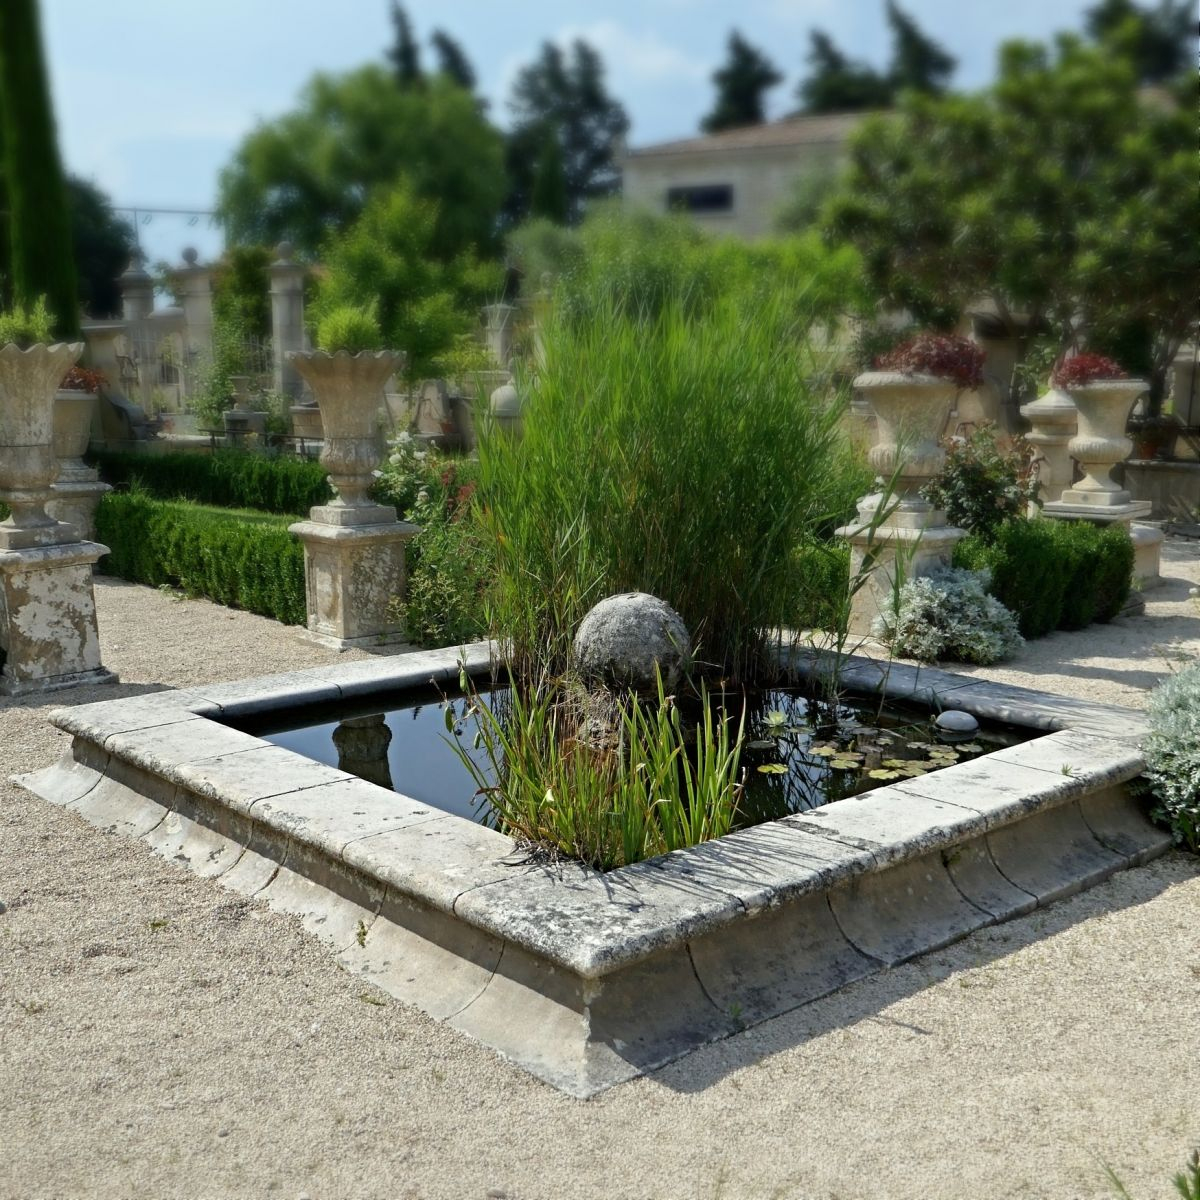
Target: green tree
{"x":388,"y":259}
{"x":741,"y":84}
{"x":1055,"y":193}
{"x":102,"y":243}
{"x":566,"y":94}
{"x":310,"y":172}
{"x":452,"y":60}
{"x":38,"y":217}
{"x":404,"y":54}
{"x":548,"y":197}
{"x":835,"y":83}
{"x":918,"y":62}
{"x":1161,"y":41}
{"x":242,"y":289}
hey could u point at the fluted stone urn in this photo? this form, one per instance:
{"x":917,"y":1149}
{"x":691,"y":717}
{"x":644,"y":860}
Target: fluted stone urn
{"x":28,"y":466}
{"x":1054,"y":420}
{"x":77,"y":490}
{"x":1100,"y":442}
{"x":348,"y":389}
{"x":900,"y":535}
{"x":47,"y":606}
{"x":353,"y":548}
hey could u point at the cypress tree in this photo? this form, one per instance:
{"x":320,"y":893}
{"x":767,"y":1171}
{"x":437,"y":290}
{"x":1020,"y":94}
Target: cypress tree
{"x":39,"y":225}
{"x":741,"y":84}
{"x":405,"y":53}
{"x":548,"y":197}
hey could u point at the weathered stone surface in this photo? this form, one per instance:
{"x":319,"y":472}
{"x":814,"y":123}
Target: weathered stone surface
{"x":956,"y":723}
{"x":1088,"y":760}
{"x":1119,"y":823}
{"x":81,"y":767}
{"x":973,"y":872}
{"x":238,"y":780}
{"x":286,"y":690}
{"x":163,"y":748}
{"x":98,"y":722}
{"x":623,"y":640}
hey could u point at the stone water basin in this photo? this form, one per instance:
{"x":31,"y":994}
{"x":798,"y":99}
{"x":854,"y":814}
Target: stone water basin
{"x":588,"y":979}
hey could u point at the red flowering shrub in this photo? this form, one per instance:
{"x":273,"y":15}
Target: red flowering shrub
{"x":947,"y":356}
{"x":82,"y":379}
{"x":1086,"y":368}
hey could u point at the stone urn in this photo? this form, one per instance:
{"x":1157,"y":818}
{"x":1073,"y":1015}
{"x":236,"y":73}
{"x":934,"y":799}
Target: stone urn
{"x":911,"y":411}
{"x":349,"y":391}
{"x":1100,"y":443}
{"x":507,"y":410}
{"x":1054,"y":419}
{"x":28,"y":467}
{"x":74,"y":410}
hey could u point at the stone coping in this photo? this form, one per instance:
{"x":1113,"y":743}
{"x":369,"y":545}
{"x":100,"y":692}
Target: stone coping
{"x":581,"y":920}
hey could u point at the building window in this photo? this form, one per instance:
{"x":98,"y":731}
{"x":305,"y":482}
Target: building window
{"x":701,"y":198}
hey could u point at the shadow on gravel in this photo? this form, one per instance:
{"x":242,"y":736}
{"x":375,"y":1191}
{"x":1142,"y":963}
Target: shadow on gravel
{"x":865,"y":999}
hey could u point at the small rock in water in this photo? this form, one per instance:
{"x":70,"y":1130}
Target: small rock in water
{"x":621,"y":641}
{"x":953,"y":725}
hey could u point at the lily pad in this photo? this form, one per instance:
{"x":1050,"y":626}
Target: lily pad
{"x":773,"y":769}
{"x":761,"y":744}
{"x":825,"y":751}
{"x":913,"y":770}
{"x":880,"y":773}
{"x":970,"y":748}
{"x":896,"y":763}
{"x":922,"y":746}
{"x":843,"y":764}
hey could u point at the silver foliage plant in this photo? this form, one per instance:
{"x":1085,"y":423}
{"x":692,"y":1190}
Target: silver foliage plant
{"x":1172,"y":752}
{"x":949,"y":615}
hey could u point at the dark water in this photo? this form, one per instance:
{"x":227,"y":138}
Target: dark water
{"x":402,"y":743}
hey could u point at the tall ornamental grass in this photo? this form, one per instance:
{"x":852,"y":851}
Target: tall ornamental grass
{"x":671,"y":449}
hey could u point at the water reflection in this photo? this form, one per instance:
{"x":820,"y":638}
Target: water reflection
{"x":362,"y":748}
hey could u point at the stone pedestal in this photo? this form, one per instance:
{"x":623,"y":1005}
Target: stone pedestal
{"x":287,"y":319}
{"x":352,"y":573}
{"x":909,"y":541}
{"x":362,"y":746}
{"x":77,"y":491}
{"x":194,"y":284}
{"x":74,"y":502}
{"x":1054,"y":418}
{"x":48,"y":618}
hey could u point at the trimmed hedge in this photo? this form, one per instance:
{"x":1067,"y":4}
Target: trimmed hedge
{"x":1054,"y":574}
{"x":239,"y":559}
{"x":226,"y":478}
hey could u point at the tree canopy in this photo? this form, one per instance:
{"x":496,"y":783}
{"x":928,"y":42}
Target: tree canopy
{"x":310,"y":173}
{"x":564,"y":96}
{"x":1056,"y":193}
{"x":1160,"y":41}
{"x":452,"y":59}
{"x":102,"y":243}
{"x":741,"y":85}
{"x":404,"y":54}
{"x":835,"y":83}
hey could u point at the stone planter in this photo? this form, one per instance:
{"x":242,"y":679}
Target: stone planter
{"x":507,"y":409}
{"x":28,"y":382}
{"x":349,"y":391}
{"x":1054,"y":418}
{"x":77,"y":491}
{"x":899,"y":536}
{"x":1100,"y":442}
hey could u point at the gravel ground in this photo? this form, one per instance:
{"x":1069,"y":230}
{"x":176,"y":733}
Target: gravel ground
{"x":161,"y":1037}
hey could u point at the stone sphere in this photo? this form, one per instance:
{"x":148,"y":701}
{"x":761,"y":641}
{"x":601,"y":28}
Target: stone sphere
{"x":956,"y":726}
{"x":190,"y":256}
{"x":619,"y":643}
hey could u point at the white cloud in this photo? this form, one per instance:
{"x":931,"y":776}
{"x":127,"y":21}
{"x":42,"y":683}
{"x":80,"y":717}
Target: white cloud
{"x":642,"y":56}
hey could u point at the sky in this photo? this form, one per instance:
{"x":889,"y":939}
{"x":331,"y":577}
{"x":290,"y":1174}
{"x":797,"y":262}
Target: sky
{"x":152,"y":97}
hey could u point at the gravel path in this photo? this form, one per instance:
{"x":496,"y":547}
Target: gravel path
{"x":161,"y":1037}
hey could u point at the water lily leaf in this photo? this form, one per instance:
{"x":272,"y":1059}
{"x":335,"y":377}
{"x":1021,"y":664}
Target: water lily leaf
{"x":922,"y":746}
{"x":944,"y":752}
{"x":825,"y":751}
{"x":773,"y":769}
{"x":879,"y":773}
{"x":776,"y":717}
{"x":843,"y":764}
{"x":761,"y":744}
{"x":970,"y":748}
{"x":895,"y":763}
{"x":913,"y":770}
{"x":884,"y":739}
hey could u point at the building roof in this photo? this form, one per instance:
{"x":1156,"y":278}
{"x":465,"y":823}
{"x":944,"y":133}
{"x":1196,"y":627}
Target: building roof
{"x":830,"y":129}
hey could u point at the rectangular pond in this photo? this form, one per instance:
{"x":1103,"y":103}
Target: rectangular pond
{"x":586,"y":978}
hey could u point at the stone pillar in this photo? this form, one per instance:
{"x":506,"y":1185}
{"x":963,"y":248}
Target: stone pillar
{"x":499,"y":324}
{"x":1054,"y":419}
{"x":287,"y":319}
{"x":1185,"y":387}
{"x":898,"y":537}
{"x":137,"y":307}
{"x":77,"y":490}
{"x":47,"y":607}
{"x":1099,"y":444}
{"x":195,"y":296}
{"x":1001,"y":345}
{"x":353,"y":548}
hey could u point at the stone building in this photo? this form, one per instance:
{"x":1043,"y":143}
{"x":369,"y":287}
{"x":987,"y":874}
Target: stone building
{"x":736,"y":181}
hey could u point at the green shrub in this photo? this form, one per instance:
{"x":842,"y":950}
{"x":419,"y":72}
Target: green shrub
{"x":1172,"y":753}
{"x":949,"y":615}
{"x":26,"y":326}
{"x":981,"y":487}
{"x":240,"y":559}
{"x":1054,"y":574}
{"x":227,"y":479}
{"x":820,"y":584}
{"x":350,"y":327}
{"x":677,"y":453}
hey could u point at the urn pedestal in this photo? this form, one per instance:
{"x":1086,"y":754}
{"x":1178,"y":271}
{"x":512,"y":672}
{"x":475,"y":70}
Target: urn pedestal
{"x":353,"y":548}
{"x":899,"y":536}
{"x":1098,"y":445}
{"x":1054,"y":419}
{"x":47,"y":607}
